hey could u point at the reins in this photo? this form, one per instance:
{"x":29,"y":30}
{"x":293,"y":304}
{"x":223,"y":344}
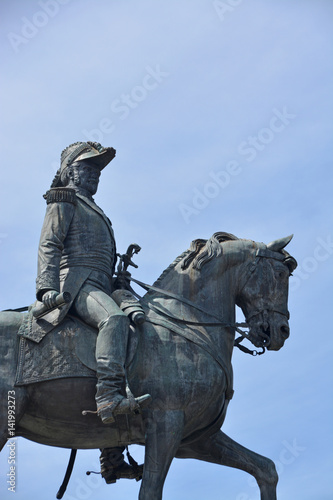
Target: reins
{"x":260,"y":253}
{"x":235,"y":326}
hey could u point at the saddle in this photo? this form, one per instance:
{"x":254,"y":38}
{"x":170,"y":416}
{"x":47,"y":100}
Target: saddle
{"x":68,"y":350}
{"x":50,"y":349}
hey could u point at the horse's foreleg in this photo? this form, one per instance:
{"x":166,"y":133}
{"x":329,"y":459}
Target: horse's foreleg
{"x":163,"y":436}
{"x":220,"y":449}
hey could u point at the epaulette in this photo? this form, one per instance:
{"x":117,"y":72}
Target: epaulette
{"x":55,"y":195}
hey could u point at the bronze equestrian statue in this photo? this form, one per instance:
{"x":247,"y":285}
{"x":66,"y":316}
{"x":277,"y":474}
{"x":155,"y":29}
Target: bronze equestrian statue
{"x":179,"y":358}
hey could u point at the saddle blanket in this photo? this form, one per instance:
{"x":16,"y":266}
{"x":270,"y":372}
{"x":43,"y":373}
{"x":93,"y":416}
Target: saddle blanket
{"x":67,"y":351}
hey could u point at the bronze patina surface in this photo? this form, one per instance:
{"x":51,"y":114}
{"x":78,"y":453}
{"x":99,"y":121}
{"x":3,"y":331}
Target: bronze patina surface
{"x":181,"y":355}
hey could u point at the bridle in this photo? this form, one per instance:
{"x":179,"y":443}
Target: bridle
{"x":268,"y":254}
{"x":243,"y":334}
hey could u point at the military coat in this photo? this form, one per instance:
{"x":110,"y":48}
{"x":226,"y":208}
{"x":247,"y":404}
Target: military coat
{"x":76,"y":239}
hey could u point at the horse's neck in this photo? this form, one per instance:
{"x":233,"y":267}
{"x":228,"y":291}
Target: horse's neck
{"x":212,"y":291}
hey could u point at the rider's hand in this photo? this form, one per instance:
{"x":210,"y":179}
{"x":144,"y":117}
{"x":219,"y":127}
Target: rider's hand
{"x":49,"y":299}
{"x":123,"y":280}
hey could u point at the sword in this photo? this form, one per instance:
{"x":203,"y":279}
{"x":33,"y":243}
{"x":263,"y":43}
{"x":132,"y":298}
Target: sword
{"x":125,"y":260}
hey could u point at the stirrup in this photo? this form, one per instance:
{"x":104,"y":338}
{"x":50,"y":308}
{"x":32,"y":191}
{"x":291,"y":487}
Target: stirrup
{"x":132,"y":405}
{"x":123,"y":471}
{"x":125,"y":406}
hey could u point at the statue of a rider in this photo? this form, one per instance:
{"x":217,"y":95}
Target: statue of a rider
{"x":77,"y":254}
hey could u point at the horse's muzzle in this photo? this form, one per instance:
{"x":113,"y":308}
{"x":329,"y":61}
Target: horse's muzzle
{"x":269,"y":331}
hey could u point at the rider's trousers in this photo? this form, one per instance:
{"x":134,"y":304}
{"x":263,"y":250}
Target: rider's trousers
{"x":99,"y":310}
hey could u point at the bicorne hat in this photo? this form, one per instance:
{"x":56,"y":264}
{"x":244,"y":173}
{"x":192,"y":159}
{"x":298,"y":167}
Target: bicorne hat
{"x":91,"y":152}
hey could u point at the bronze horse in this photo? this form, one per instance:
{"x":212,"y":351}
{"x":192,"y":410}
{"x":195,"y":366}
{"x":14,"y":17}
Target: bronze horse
{"x":182,"y":357}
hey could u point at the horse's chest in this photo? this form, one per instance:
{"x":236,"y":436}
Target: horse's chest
{"x":173,"y":368}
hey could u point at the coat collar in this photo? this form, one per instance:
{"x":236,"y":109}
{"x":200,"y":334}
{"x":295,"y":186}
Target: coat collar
{"x":93,"y":205}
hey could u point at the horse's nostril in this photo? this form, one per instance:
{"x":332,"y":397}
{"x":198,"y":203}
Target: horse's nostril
{"x":285,"y":331}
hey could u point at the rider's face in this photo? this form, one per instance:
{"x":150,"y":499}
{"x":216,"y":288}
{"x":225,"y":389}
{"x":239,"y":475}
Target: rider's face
{"x":87,"y":177}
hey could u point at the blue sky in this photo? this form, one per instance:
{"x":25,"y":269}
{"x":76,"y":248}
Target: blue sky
{"x":221,"y":115}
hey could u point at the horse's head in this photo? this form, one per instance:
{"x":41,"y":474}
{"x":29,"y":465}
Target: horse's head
{"x":263,"y":295}
{"x":224,"y":270}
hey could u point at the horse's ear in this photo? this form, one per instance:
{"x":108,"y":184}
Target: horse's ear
{"x":278,"y":245}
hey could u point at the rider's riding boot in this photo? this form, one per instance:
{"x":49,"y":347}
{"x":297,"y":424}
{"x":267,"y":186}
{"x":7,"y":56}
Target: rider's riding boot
{"x":113,"y":466}
{"x":111,"y":348}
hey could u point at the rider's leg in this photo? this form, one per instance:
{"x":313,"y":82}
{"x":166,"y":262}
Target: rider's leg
{"x":98,"y":309}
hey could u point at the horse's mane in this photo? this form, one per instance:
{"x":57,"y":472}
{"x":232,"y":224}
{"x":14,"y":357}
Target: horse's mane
{"x":200,"y":252}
